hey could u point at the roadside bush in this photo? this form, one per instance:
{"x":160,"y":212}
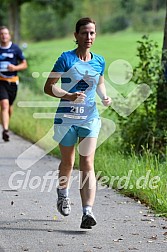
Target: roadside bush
{"x":139,"y":129}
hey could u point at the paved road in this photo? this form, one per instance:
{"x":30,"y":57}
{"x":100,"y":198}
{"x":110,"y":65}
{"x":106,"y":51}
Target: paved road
{"x":30,"y":222}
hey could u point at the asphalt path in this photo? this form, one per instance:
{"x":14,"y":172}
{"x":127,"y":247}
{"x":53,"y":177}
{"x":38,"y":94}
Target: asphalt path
{"x":29,"y":220}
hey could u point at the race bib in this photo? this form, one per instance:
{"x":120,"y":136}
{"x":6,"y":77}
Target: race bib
{"x":4,"y":66}
{"x":77,"y":111}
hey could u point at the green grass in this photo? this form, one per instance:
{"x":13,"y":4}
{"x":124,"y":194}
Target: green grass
{"x":140,"y":177}
{"x":109,"y":159}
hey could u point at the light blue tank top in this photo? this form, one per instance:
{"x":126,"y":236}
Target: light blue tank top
{"x":76,"y":76}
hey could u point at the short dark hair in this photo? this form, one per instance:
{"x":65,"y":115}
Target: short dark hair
{"x":3,"y":27}
{"x":83,"y":21}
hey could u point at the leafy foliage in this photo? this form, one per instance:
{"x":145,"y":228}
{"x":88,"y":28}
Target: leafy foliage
{"x":116,"y":23}
{"x":111,"y":16}
{"x":147,"y":21}
{"x":42,"y":30}
{"x":140,"y":128}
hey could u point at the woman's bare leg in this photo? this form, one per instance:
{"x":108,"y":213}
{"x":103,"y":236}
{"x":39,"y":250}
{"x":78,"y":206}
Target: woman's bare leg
{"x":66,"y":165}
{"x":87,"y":148}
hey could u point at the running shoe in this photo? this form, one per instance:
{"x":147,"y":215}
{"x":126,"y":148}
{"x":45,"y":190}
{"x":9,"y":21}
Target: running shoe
{"x":88,"y":220}
{"x":5,"y":135}
{"x":64,"y":205}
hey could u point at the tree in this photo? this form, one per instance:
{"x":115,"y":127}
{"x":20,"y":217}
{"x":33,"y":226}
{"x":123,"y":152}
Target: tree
{"x":147,"y":126}
{"x":13,"y":16}
{"x":14,"y":19}
{"x":62,"y":7}
{"x":162,"y":94}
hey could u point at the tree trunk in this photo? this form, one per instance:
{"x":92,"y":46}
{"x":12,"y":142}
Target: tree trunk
{"x":14,"y":20}
{"x":165,"y":31}
{"x":162,"y":96}
{"x":154,"y":5}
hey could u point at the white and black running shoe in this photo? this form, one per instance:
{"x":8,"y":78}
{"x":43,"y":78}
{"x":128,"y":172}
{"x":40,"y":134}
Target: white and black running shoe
{"x":64,"y":205}
{"x":88,"y":220}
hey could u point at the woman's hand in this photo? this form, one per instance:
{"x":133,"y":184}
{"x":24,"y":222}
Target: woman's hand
{"x":106,"y":101}
{"x":77,"y":97}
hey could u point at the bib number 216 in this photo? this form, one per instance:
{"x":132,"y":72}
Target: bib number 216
{"x":77,"y":110}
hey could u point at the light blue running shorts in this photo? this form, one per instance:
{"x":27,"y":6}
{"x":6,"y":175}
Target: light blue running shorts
{"x":68,"y":135}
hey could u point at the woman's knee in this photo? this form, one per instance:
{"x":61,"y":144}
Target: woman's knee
{"x":86,"y":164}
